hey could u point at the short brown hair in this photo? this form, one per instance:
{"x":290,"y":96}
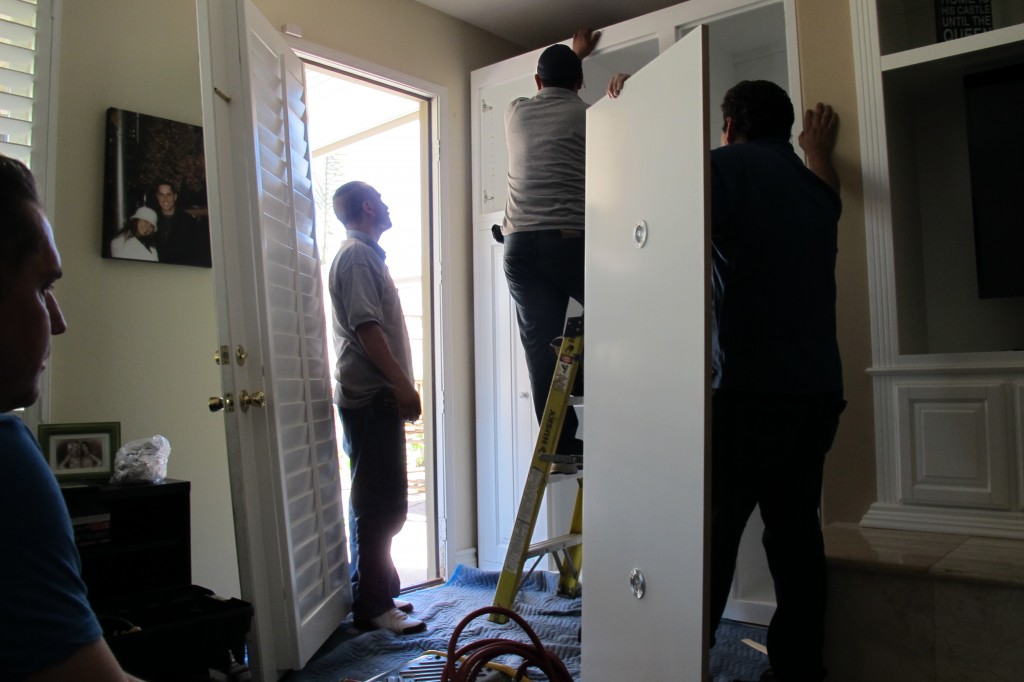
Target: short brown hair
{"x":348,"y":200}
{"x":20,"y":236}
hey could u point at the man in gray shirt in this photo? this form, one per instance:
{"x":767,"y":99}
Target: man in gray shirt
{"x":375,"y":395}
{"x":543,"y":224}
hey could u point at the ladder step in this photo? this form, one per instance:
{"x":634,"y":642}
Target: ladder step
{"x":560,"y":459}
{"x":566,"y":551}
{"x":554,"y":544}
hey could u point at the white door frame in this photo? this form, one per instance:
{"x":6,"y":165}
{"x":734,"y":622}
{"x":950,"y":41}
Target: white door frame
{"x":441,"y":367}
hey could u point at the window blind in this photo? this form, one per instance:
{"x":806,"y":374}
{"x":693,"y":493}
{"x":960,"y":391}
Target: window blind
{"x":18,"y":45}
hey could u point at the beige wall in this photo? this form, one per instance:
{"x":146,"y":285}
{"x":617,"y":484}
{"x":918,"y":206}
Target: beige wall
{"x":141,"y":338}
{"x":826,"y":63}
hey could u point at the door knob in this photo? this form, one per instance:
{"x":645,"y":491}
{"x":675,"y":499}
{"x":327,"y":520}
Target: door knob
{"x":221,"y":356}
{"x":226,"y":403}
{"x":256,"y":399}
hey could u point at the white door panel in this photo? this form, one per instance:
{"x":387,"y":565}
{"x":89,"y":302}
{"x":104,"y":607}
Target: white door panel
{"x":647,"y":323}
{"x":506,"y":425}
{"x":283,"y":457}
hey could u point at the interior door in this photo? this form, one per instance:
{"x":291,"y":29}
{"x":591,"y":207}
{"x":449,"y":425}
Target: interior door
{"x":647,"y":328}
{"x":283,"y":456}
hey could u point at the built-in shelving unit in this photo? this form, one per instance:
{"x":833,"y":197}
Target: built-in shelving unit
{"x":948,"y":363}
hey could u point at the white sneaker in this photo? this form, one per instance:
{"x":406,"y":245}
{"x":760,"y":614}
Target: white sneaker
{"x":398,"y":622}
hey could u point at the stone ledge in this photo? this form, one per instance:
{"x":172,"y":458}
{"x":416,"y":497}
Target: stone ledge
{"x":994,"y":561}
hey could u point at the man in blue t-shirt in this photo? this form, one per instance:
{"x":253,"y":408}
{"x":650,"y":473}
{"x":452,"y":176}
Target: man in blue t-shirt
{"x":777,"y":381}
{"x":47,"y":628}
{"x":776,"y":377}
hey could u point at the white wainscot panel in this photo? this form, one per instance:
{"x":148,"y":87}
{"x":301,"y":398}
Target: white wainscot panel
{"x":1018,"y":460}
{"x":953,"y":444}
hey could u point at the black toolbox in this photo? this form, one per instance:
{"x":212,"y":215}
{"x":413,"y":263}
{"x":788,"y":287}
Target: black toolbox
{"x":135,"y":545}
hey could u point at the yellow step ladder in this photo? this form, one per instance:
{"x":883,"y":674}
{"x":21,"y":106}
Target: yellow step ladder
{"x":566,"y":550}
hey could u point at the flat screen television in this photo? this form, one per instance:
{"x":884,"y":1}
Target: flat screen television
{"x":995,"y":139}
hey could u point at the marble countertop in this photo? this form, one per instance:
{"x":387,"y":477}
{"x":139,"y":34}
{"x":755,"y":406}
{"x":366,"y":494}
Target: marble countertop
{"x":937,"y":555}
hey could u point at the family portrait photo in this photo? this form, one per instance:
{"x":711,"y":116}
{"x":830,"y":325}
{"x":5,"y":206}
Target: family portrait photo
{"x":154,"y":193}
{"x":78,"y":451}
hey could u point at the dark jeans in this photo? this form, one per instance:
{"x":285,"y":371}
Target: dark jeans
{"x":544,"y":269}
{"x":374,"y":439}
{"x":769,"y":450}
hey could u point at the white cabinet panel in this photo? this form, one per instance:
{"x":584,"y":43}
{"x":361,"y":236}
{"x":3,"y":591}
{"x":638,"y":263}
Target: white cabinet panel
{"x":506,"y":425}
{"x":493,"y":152}
{"x":647,"y":373}
{"x":953,"y":445}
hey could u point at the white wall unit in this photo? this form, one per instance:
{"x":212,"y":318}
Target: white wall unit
{"x":747,"y":39}
{"x":947,"y":363}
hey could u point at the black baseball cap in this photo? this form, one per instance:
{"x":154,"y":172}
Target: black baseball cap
{"x":559,"y":63}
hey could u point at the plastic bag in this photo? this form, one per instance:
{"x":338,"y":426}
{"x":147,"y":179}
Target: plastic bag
{"x":141,"y":461}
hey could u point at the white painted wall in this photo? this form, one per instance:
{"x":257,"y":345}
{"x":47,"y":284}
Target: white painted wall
{"x":140,"y":345}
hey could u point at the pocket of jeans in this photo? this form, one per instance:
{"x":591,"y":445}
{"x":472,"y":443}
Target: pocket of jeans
{"x":385,"y":401}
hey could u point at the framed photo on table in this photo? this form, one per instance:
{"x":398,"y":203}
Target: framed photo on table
{"x":80,"y":451}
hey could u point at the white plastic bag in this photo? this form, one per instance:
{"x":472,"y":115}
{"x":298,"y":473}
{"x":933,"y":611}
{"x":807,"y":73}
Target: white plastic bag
{"x":141,"y":461}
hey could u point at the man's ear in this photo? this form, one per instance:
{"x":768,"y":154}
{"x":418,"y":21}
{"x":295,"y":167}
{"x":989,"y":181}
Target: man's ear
{"x":728,"y":134}
{"x":536,"y":79}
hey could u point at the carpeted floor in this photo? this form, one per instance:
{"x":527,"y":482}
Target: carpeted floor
{"x":556,"y":621}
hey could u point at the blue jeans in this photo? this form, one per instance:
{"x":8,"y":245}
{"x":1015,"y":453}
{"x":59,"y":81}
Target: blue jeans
{"x":544,"y":269}
{"x":769,"y":450}
{"x":374,"y":439}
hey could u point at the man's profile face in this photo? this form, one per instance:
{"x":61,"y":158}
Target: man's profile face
{"x":30,"y":315}
{"x":166,"y":197}
{"x":381,"y":212}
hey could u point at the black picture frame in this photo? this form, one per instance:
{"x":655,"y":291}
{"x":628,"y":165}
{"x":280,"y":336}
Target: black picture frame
{"x":152,"y":163}
{"x":80,"y":451}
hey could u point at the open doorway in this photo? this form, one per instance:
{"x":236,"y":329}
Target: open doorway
{"x":360,"y":129}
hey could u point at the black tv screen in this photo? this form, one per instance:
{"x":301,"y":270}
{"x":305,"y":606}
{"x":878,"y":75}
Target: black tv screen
{"x":995,"y":139}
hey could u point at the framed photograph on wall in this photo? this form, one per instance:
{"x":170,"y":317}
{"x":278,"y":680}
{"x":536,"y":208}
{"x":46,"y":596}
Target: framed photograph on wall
{"x":80,"y":451}
{"x":154,"y":191}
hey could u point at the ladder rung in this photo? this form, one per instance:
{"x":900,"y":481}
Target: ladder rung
{"x":554,"y":544}
{"x":561,"y":459}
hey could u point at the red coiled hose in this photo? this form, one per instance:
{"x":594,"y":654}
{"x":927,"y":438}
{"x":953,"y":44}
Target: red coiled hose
{"x":478,"y":653}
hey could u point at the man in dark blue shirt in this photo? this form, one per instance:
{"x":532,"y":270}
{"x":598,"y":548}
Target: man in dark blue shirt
{"x":777,"y":385}
{"x":777,"y":382}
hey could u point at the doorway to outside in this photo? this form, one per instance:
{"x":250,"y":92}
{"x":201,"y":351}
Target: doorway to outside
{"x":364,"y":130}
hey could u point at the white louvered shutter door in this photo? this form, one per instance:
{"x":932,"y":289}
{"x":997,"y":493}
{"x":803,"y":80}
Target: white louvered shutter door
{"x":287,"y":450}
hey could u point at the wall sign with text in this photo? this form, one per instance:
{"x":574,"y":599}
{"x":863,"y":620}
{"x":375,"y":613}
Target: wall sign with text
{"x":959,"y":18}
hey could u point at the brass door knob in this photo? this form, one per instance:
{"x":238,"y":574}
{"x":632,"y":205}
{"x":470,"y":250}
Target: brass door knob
{"x":226,"y":403}
{"x":256,"y":399}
